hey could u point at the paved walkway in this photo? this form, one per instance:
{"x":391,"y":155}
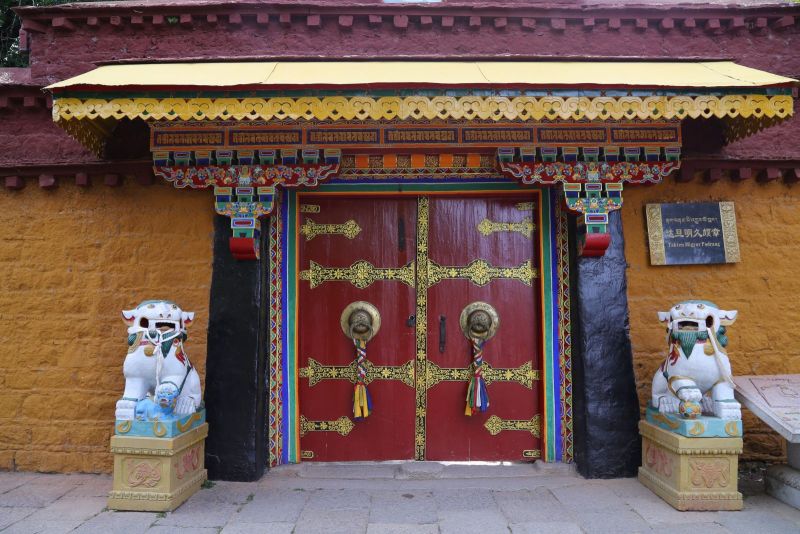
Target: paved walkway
{"x":410,"y":497}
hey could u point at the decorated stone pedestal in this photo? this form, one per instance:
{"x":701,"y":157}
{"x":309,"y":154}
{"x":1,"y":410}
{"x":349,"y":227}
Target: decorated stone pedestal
{"x":157,"y":474}
{"x":691,"y":473}
{"x":160,"y":429}
{"x":692,"y":432}
{"x":776,"y":401}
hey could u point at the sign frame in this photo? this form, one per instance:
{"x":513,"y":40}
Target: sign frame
{"x":656,"y":234}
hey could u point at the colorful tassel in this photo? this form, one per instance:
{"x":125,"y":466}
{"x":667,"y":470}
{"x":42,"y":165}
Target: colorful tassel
{"x":477,"y":394}
{"x":362,"y":402}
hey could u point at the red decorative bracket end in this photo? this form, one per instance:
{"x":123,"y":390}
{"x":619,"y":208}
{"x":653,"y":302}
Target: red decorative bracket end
{"x":244,"y":248}
{"x":595,"y":245}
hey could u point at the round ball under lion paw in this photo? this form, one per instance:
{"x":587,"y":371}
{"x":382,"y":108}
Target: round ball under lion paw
{"x":689,"y":409}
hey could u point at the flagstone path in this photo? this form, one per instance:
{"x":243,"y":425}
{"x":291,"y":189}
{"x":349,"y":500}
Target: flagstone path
{"x":420,"y":498}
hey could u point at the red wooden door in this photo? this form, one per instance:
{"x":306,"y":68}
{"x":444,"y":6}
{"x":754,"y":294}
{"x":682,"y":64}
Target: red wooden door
{"x":478,"y":249}
{"x":356,"y":250}
{"x":483,"y":250}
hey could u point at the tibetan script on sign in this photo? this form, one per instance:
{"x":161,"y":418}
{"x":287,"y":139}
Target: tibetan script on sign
{"x":692,"y":233}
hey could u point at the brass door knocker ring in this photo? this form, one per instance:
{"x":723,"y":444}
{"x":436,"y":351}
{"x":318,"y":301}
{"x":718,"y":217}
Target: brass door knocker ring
{"x":479,"y":320}
{"x":360,"y":320}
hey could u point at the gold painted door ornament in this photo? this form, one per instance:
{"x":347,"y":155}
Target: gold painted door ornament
{"x":316,"y":372}
{"x":481,"y":272}
{"x":479,"y":322}
{"x":525,"y":206}
{"x":349,"y":229}
{"x":342,"y":426}
{"x":524,"y":227}
{"x":495,"y":425}
{"x":523,"y":375}
{"x":360,"y":321}
{"x":361,"y":274}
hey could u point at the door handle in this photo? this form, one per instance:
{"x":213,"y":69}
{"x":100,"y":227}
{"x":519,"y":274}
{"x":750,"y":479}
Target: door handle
{"x":411,"y":321}
{"x":442,"y":333}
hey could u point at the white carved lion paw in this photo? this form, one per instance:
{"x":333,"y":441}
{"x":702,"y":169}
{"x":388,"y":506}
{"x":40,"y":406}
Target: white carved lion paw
{"x":668,"y":405}
{"x":690,"y":394}
{"x":729,"y":409}
{"x":125,"y":410}
{"x":185,"y":406}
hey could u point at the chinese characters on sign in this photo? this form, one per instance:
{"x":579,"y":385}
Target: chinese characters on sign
{"x":692,"y":233}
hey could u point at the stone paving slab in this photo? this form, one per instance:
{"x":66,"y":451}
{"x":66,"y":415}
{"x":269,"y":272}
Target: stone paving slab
{"x":383,"y":498}
{"x":111,"y":521}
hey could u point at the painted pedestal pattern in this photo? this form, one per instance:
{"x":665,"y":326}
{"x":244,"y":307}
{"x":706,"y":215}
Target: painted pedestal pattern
{"x":776,"y":401}
{"x":690,"y":473}
{"x":157,"y":474}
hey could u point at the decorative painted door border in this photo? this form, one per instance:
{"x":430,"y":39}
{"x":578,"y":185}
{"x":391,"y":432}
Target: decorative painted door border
{"x":284,"y":415}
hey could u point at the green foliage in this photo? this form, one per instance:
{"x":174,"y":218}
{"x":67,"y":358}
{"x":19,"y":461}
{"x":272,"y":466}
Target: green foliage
{"x":10,"y":54}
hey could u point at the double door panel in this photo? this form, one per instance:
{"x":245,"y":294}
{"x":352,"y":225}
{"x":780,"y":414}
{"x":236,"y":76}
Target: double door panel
{"x":461,"y":241}
{"x":372,"y":249}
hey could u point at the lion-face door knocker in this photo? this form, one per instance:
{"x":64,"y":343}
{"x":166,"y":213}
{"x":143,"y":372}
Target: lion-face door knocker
{"x":360,"y":322}
{"x":479,"y":322}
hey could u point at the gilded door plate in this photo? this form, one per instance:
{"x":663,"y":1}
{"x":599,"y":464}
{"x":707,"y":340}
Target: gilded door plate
{"x":342,"y":426}
{"x":524,"y":227}
{"x":349,"y":229}
{"x":525,"y":206}
{"x":523,"y":374}
{"x":316,"y":372}
{"x":481,"y":272}
{"x":361,"y":274}
{"x":495,"y":425}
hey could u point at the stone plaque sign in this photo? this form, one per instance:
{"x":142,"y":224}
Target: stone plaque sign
{"x":775,"y":400}
{"x":692,"y":233}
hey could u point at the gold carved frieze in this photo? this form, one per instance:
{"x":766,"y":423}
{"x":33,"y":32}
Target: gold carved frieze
{"x":342,"y":426}
{"x":525,"y":227}
{"x":523,"y":375}
{"x":492,"y":108}
{"x":315,"y":372}
{"x":481,"y":272}
{"x":349,"y":229}
{"x":495,"y":425}
{"x":309,"y":208}
{"x":361,"y":274}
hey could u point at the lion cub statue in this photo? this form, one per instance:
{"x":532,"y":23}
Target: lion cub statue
{"x":696,"y":375}
{"x":156,"y":332}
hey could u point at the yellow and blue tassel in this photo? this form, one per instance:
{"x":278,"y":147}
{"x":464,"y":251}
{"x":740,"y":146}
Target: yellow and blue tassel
{"x":477,"y":394}
{"x":362,"y":402}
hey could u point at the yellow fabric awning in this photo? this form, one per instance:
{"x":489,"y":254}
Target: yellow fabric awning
{"x":498,"y":74}
{"x":88,"y":105}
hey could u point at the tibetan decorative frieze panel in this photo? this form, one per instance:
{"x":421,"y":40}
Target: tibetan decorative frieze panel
{"x":243,"y":136}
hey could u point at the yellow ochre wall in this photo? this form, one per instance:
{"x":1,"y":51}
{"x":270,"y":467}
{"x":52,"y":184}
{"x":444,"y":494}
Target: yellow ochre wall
{"x":764,"y":287}
{"x":72,"y":259}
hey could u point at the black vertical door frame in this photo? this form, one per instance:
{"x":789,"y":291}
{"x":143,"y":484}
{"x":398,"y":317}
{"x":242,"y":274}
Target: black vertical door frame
{"x":236,"y":366}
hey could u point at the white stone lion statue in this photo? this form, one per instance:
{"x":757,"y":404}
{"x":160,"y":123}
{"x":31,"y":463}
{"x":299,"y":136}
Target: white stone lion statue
{"x":156,"y":332}
{"x":696,"y":375}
